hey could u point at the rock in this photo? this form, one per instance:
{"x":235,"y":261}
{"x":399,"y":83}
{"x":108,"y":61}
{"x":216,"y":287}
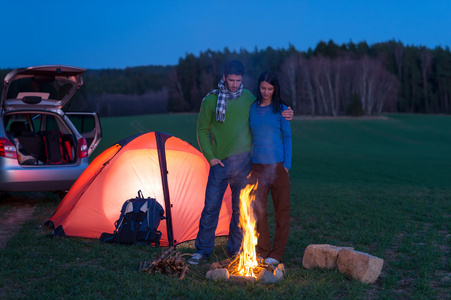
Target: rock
{"x":281,"y":267}
{"x":241,"y":279}
{"x":267,"y":277}
{"x":359,"y":265}
{"x":321,"y":256}
{"x":278,"y":273}
{"x":218,"y":274}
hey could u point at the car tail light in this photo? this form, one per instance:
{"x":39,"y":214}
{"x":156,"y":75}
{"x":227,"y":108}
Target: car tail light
{"x":7,"y":149}
{"x":82,"y":148}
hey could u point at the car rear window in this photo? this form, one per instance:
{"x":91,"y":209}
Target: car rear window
{"x":56,"y":89}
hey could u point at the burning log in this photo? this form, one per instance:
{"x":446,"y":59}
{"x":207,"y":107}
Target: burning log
{"x":234,"y":267}
{"x":169,"y":262}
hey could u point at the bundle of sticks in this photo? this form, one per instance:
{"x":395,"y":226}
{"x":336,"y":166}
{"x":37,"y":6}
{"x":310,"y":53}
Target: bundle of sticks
{"x":169,"y":262}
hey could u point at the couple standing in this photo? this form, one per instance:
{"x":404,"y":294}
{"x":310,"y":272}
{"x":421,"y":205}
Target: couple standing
{"x":239,"y":125}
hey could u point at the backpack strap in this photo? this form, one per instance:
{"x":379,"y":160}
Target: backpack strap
{"x":124,"y":210}
{"x":149,"y":210}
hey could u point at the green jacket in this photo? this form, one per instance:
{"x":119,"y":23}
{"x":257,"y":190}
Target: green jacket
{"x":228,"y":138}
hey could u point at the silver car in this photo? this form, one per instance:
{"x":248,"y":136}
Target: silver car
{"x":42,"y":147}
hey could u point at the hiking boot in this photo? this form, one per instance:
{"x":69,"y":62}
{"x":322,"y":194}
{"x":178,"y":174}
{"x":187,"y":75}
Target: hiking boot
{"x":196,"y":259}
{"x":271,"y":261}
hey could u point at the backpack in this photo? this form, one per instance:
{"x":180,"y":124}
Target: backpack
{"x":138,"y":222}
{"x":53,"y":147}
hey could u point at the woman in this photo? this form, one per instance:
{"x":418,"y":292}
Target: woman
{"x":271,"y":160}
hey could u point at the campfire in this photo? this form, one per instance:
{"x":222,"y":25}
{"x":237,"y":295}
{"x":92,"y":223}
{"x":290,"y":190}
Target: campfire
{"x":247,"y":266}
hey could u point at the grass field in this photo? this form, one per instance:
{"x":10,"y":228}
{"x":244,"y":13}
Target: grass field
{"x":382,"y":186}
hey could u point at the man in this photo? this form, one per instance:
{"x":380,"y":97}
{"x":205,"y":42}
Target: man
{"x":225,"y":113}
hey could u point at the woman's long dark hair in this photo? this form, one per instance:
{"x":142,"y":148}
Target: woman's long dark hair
{"x":271,"y":78}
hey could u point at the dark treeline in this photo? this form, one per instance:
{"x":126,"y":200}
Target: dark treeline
{"x":129,"y":91}
{"x":330,"y":80}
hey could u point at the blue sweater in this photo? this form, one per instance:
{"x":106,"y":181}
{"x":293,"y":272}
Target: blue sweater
{"x":271,"y":136}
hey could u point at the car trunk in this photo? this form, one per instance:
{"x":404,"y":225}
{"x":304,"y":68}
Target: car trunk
{"x":41,"y":139}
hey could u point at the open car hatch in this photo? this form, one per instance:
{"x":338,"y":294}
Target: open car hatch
{"x":42,"y":87}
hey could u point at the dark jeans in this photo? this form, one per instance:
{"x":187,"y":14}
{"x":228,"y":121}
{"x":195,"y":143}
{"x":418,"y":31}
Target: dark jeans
{"x":235,"y":172}
{"x":274,"y":178}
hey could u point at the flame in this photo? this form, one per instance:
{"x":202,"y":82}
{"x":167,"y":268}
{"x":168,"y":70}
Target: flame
{"x":248,"y":257}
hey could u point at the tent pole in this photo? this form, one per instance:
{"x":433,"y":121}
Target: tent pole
{"x":161,"y":139}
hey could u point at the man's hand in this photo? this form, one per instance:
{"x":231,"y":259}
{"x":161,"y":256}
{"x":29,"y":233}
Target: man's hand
{"x":216,"y":161}
{"x":288,"y":114}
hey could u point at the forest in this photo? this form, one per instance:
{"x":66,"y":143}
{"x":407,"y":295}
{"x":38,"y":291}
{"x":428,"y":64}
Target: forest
{"x":353,"y":79}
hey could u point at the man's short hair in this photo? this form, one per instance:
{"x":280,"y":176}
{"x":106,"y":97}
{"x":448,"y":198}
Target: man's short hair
{"x":234,"y":67}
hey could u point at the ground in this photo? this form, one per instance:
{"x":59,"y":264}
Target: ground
{"x":16,"y":209}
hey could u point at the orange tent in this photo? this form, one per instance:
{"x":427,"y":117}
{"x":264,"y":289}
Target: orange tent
{"x":162,"y":167}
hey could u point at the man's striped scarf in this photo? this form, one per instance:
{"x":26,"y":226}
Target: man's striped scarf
{"x":223,"y":94}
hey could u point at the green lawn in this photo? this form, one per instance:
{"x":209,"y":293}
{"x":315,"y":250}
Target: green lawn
{"x":382,"y":186}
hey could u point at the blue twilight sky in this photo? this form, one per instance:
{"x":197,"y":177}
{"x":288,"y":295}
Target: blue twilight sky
{"x":116,"y":34}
